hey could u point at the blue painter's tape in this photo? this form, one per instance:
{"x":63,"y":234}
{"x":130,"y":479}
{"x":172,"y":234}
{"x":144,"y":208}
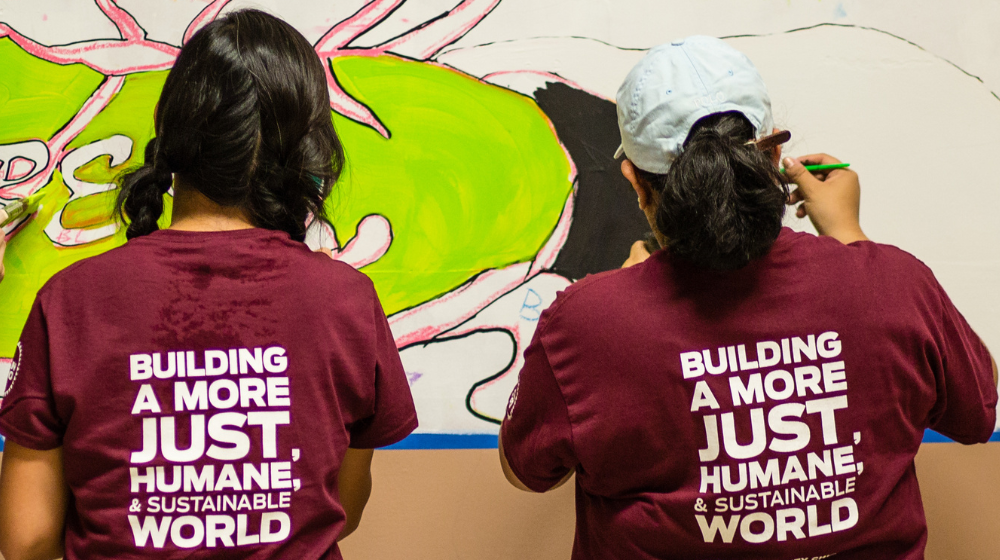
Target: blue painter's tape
{"x":446,"y":441}
{"x":930,"y":436}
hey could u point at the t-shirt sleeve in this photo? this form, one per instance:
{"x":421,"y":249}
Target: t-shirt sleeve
{"x":966,"y":407}
{"x":395,"y":416}
{"x":28,"y":414}
{"x":537,"y":435}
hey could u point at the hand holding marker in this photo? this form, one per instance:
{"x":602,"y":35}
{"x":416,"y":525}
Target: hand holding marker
{"x":11,"y":212}
{"x":782,"y":136}
{"x":826,"y":167}
{"x":19,"y":208}
{"x":831,"y":198}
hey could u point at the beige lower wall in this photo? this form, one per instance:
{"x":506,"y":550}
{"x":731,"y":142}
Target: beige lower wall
{"x":456,"y":505}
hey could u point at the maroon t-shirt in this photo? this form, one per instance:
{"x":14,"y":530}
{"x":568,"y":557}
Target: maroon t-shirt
{"x":204,"y":388}
{"x":770,"y":412}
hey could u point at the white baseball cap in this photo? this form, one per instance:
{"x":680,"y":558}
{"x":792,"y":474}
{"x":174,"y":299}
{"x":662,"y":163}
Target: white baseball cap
{"x":677,"y":84}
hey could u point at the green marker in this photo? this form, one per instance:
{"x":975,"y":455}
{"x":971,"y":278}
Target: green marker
{"x":18,"y":208}
{"x":825,"y":167}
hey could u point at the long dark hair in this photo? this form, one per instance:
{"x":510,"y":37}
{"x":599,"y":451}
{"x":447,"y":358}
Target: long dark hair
{"x":722,"y":200}
{"x":244,"y":118}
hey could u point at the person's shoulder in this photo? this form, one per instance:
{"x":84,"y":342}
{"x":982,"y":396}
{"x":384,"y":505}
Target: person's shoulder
{"x":344,"y":290}
{"x":318,"y":268}
{"x":598,"y":285}
{"x":870,"y":255}
{"x":596,"y":292}
{"x":894,"y":273}
{"x":92,"y":269}
{"x":892,"y":263}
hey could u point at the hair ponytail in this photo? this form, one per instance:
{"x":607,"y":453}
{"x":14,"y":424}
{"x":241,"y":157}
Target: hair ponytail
{"x":284,"y":200}
{"x":140,"y":198}
{"x":722,"y":200}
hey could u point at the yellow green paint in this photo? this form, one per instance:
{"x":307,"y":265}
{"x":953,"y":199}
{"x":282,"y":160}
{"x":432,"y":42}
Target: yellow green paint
{"x":38,"y":97}
{"x":473,"y":177}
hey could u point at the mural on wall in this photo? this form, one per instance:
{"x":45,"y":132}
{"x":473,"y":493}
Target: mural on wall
{"x":480,"y":179}
{"x":458,"y":199}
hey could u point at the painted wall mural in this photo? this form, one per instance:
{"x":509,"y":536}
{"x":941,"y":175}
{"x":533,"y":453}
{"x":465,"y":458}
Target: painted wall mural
{"x":480,"y":179}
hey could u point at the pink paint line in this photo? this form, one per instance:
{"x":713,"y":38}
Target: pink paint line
{"x":57,"y":145}
{"x":344,"y":104}
{"x":433,"y":308}
{"x":550,"y":251}
{"x":446,"y":30}
{"x":78,"y":53}
{"x":204,"y":17}
{"x":126,"y":24}
{"x":351,"y":28}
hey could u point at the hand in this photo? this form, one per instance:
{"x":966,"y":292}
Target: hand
{"x":637,"y":254}
{"x":326,"y":251}
{"x":831,"y":199}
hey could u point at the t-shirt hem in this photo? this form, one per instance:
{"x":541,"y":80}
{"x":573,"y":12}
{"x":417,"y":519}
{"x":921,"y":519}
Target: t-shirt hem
{"x":531,"y":483}
{"x":388,"y":439}
{"x":15,"y":433}
{"x":970,"y":438}
{"x":24,"y":439}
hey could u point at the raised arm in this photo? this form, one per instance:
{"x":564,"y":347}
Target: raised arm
{"x":832,"y":200}
{"x":33,"y":499}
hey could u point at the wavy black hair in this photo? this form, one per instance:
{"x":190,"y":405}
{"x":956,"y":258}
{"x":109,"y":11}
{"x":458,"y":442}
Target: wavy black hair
{"x":244,"y":118}
{"x":722,"y":200}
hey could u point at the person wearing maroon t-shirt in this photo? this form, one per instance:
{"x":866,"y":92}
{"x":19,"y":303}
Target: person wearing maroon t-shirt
{"x":747,"y":391}
{"x":214,"y":389}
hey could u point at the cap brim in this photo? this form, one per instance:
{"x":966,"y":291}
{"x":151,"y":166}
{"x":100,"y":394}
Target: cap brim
{"x":620,"y":151}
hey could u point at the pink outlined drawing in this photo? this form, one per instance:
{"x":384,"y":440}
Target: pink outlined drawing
{"x":11,"y":172}
{"x":111,"y":57}
{"x":467,"y":309}
{"x":119,"y":148}
{"x":430,"y":319}
{"x":420,"y":43}
{"x":206,"y":16}
{"x":373,"y":239}
{"x":134,"y":53}
{"x":57,"y":145}
{"x":343,"y":33}
{"x":424,"y":42}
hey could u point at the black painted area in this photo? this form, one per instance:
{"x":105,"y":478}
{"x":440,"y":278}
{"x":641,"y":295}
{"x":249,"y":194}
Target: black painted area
{"x":606,"y":217}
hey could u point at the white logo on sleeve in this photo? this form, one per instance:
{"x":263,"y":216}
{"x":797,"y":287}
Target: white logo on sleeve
{"x":513,"y":401}
{"x":11,"y":375}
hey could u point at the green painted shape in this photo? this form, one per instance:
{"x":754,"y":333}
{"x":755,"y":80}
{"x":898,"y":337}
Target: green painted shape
{"x":130,"y":113}
{"x":38,"y":97}
{"x":473,"y":177}
{"x":31,"y":258}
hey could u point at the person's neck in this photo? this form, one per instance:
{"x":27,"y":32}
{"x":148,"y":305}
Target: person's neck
{"x":194,"y":211}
